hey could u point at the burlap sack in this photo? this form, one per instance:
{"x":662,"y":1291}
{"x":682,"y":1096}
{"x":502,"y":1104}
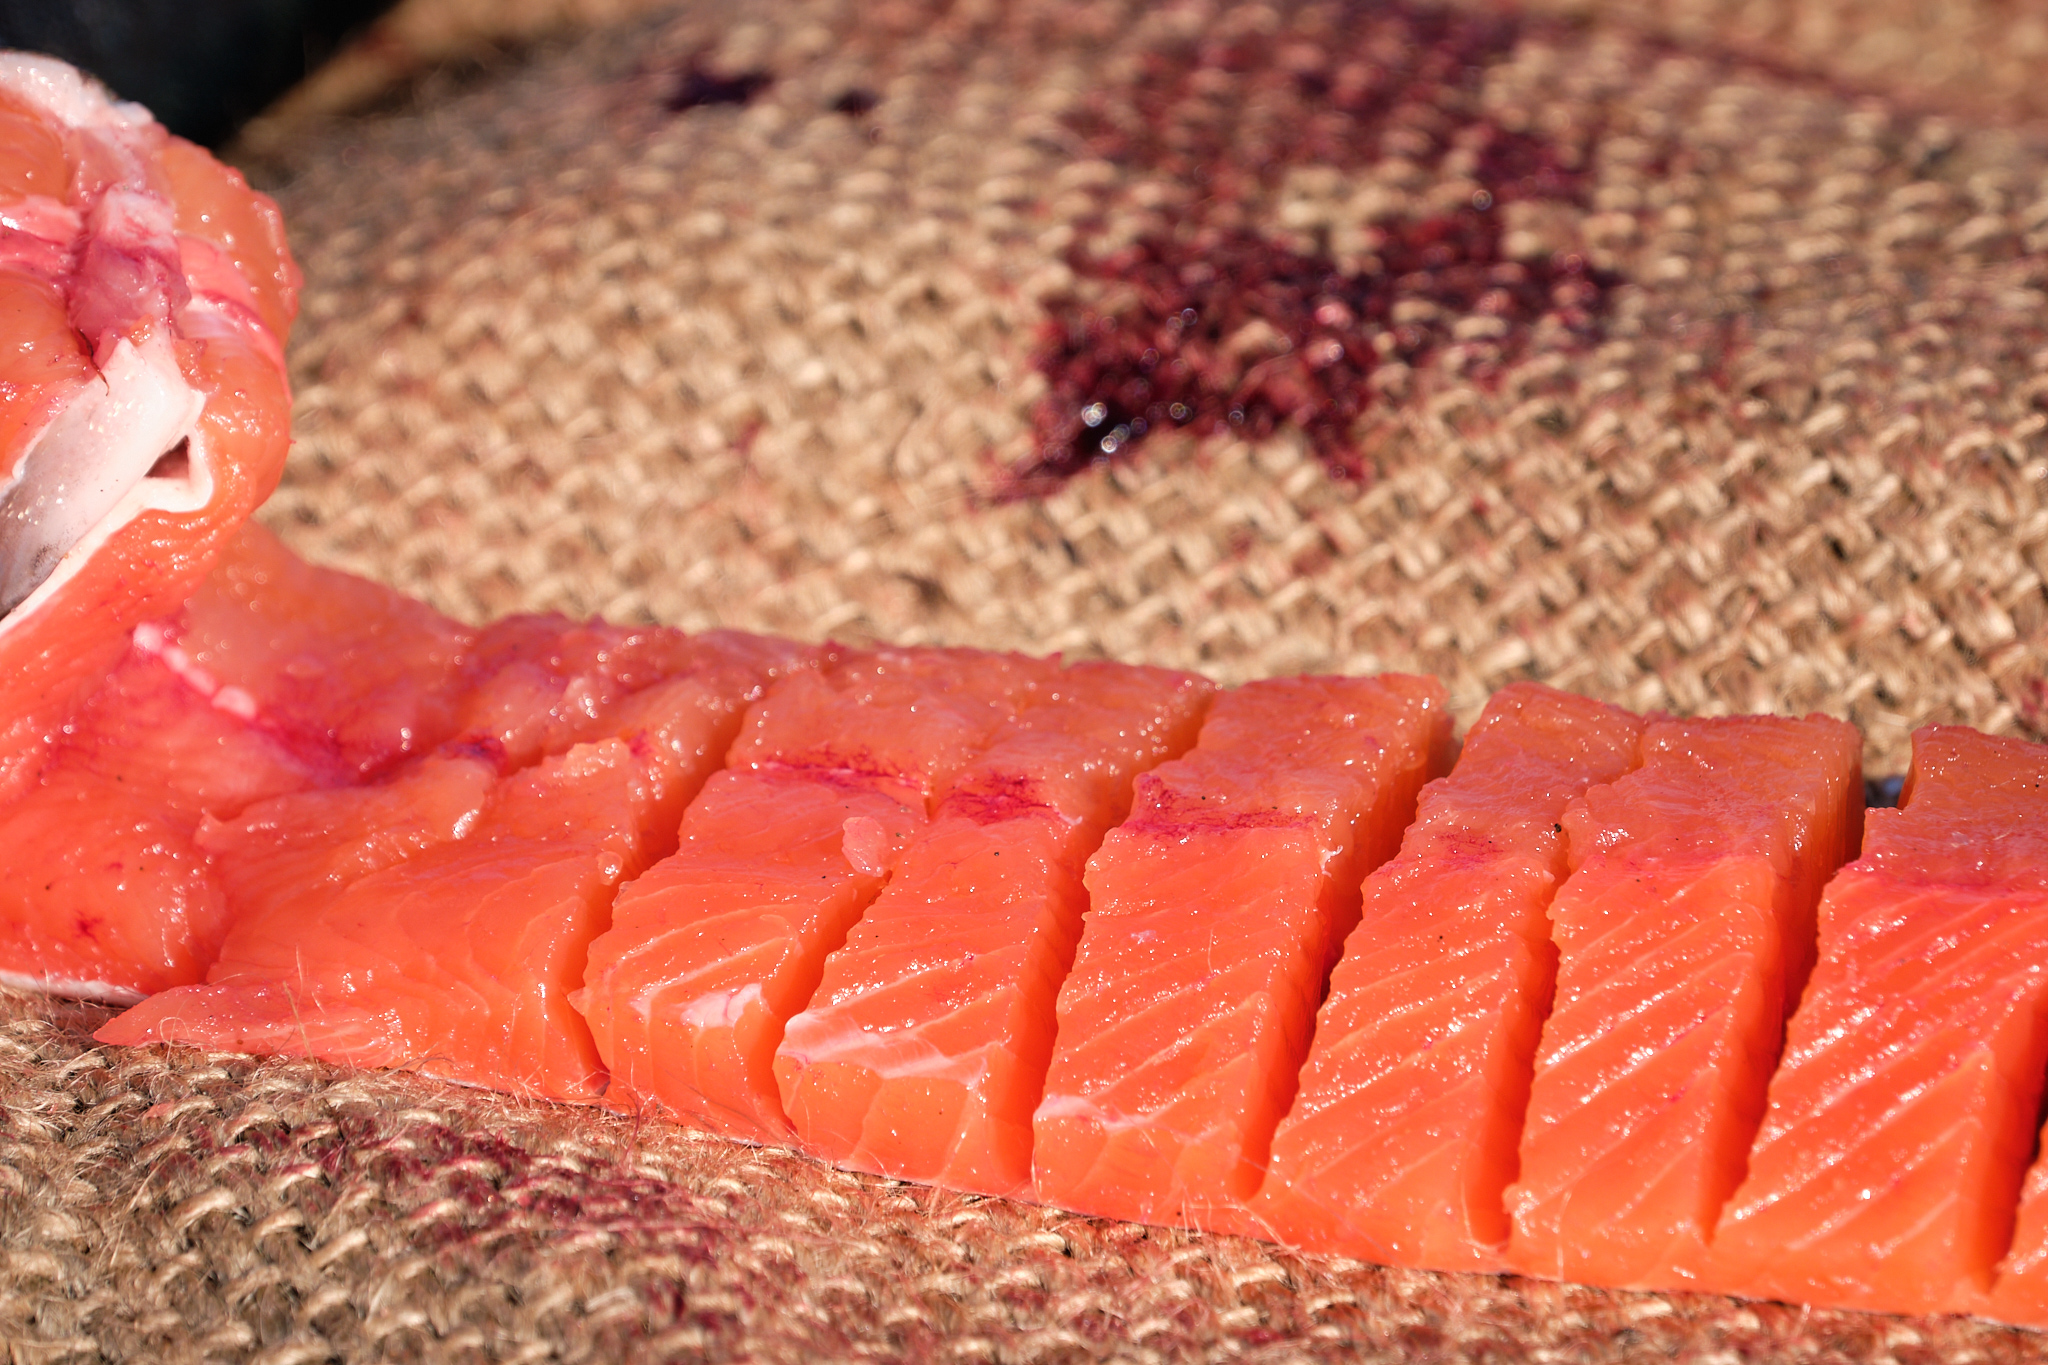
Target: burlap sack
{"x":1709,"y":382}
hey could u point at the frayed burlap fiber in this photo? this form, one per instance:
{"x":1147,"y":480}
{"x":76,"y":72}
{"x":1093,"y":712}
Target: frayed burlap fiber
{"x":1629,"y":352}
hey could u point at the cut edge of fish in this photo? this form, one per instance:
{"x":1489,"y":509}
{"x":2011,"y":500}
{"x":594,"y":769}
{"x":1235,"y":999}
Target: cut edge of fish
{"x":110,"y":455}
{"x":126,"y":442}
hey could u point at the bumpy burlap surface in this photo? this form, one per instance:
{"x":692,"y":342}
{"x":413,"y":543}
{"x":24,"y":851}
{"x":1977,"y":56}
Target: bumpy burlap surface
{"x":184,"y":1209}
{"x":764,"y":366}
{"x":774,"y":363}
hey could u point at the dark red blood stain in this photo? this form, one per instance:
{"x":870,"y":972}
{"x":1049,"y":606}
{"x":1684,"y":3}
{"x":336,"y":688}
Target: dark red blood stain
{"x":1245,"y":334}
{"x":1465,"y":848}
{"x":697,"y":85}
{"x":495,"y":1188}
{"x":1167,"y":814}
{"x":991,"y":798}
{"x":1190,"y":819}
{"x":487,"y":749}
{"x":1218,"y":328}
{"x":844,"y":769}
{"x":856,"y":103}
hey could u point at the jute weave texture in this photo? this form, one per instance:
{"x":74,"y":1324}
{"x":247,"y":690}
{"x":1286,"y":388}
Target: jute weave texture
{"x":752,"y":315}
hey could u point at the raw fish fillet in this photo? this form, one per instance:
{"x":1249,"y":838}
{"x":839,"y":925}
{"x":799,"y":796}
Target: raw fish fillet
{"x":280,"y":856}
{"x":1684,"y":935}
{"x":924,"y":1049}
{"x":349,"y":675}
{"x":537,"y":684}
{"x":1402,"y":1138}
{"x":456,"y":961}
{"x":1214,"y":913}
{"x":103,"y":893}
{"x":1889,"y":1162}
{"x":715,"y":948}
{"x":387,"y":839}
{"x":275,"y":677}
{"x":441,"y":918}
{"x":144,"y":292}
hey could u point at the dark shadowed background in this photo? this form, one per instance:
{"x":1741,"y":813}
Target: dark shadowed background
{"x":204,"y":67}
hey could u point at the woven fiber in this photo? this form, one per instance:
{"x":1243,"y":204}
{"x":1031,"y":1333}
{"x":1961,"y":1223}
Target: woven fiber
{"x":1707,"y":383}
{"x":178,"y":1208}
{"x":765,"y":366}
